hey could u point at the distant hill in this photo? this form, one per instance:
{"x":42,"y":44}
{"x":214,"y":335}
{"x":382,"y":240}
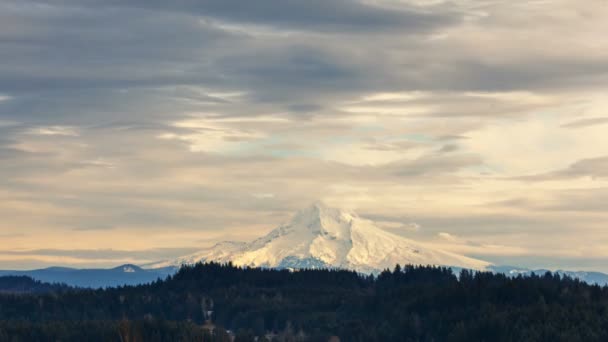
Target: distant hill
{"x":586,"y":276}
{"x":95,"y":278}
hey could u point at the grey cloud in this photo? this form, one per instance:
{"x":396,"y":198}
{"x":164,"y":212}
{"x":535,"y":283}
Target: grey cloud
{"x":286,"y":75}
{"x":309,"y":15}
{"x":437,"y":167}
{"x":147,"y":254}
{"x":585,"y":201}
{"x":117,"y":48}
{"x":586,"y":122}
{"x":519,"y":202}
{"x":582,"y":201}
{"x":448,"y":148}
{"x":478,"y":224}
{"x":494,"y":224}
{"x":434,"y":165}
{"x":77,"y":225}
{"x":305,"y":108}
{"x":392,"y":146}
{"x":452,"y":137}
{"x":591,"y":167}
{"x":58,"y":70}
{"x":126,"y":61}
{"x":529,"y":73}
{"x":10,"y":153}
{"x":11,"y":235}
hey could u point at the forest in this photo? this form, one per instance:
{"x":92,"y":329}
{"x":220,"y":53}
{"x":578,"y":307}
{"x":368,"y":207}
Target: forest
{"x":215,"y":302}
{"x":23,"y":284}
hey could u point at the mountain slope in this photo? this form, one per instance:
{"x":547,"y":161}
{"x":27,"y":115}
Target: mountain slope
{"x":319,"y":236}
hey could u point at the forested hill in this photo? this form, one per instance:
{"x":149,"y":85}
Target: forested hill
{"x":409,"y":304}
{"x":24,"y":284}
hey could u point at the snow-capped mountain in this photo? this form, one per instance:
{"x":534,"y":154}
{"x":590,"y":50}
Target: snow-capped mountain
{"x":319,"y":236}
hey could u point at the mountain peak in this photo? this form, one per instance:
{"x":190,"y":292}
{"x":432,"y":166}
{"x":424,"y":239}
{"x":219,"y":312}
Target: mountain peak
{"x":128,"y":268}
{"x":319,"y":209}
{"x":316,"y":208}
{"x":322,"y":236}
{"x":321,"y":218}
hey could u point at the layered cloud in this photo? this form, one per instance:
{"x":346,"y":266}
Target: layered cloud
{"x":138,"y":125}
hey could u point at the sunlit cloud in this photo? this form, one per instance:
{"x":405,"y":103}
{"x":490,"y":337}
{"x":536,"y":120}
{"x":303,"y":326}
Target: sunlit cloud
{"x":54,"y":130}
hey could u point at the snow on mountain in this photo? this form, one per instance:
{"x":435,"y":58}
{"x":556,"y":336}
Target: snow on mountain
{"x":318,"y":237}
{"x":221,"y":252}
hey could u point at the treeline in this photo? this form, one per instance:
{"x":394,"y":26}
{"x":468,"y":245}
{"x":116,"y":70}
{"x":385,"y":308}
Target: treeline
{"x":405,"y":304}
{"x":103,"y":331}
{"x":24,"y":284}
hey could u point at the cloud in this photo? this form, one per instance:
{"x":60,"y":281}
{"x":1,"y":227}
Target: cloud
{"x":591,"y":167}
{"x":399,"y":227}
{"x":459,"y":245}
{"x":263,"y":195}
{"x":588,"y":201}
{"x":135,"y":125}
{"x":586,"y":122}
{"x":11,"y":235}
{"x":53,"y":130}
{"x":447,"y":236}
{"x":448,"y":148}
{"x":309,"y":15}
{"x":392,"y":145}
{"x":434,"y":165}
{"x":147,"y":254}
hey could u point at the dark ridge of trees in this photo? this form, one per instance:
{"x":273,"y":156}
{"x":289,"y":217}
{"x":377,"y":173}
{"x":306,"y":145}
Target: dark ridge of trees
{"x":405,"y":304}
{"x":24,"y":284}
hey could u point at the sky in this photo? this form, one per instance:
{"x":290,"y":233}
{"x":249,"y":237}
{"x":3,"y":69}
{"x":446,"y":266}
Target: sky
{"x":140,"y":130}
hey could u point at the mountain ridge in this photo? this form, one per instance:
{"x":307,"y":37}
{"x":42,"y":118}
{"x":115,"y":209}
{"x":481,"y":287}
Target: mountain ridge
{"x":127,"y":274}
